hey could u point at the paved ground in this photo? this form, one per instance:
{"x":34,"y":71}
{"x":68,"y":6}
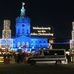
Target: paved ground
{"x":36,"y":69}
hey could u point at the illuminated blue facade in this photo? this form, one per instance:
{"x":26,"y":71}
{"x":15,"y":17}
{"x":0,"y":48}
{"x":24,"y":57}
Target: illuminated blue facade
{"x":39,"y":42}
{"x":23,"y":37}
{"x":22,"y":26}
{"x":22,"y":31}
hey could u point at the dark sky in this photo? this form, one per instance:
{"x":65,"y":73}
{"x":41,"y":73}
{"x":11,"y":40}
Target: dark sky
{"x":58,"y":14}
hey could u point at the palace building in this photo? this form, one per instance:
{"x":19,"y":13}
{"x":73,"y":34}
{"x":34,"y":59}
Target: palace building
{"x":24,"y":38}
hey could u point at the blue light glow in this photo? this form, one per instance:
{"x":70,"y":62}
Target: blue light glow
{"x":23,"y":35}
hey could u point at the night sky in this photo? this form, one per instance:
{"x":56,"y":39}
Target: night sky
{"x":57,"y":14}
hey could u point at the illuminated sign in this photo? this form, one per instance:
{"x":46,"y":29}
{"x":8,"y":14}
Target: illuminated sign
{"x":42,"y":34}
{"x":43,"y":28}
{"x":41,"y":31}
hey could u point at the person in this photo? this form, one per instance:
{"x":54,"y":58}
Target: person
{"x":68,"y":58}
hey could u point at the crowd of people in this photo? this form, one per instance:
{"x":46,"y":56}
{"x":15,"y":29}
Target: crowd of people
{"x":18,"y":57}
{"x":23,"y":57}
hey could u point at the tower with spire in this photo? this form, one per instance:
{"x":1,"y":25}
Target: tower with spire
{"x":22,"y":28}
{"x":22,"y":23}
